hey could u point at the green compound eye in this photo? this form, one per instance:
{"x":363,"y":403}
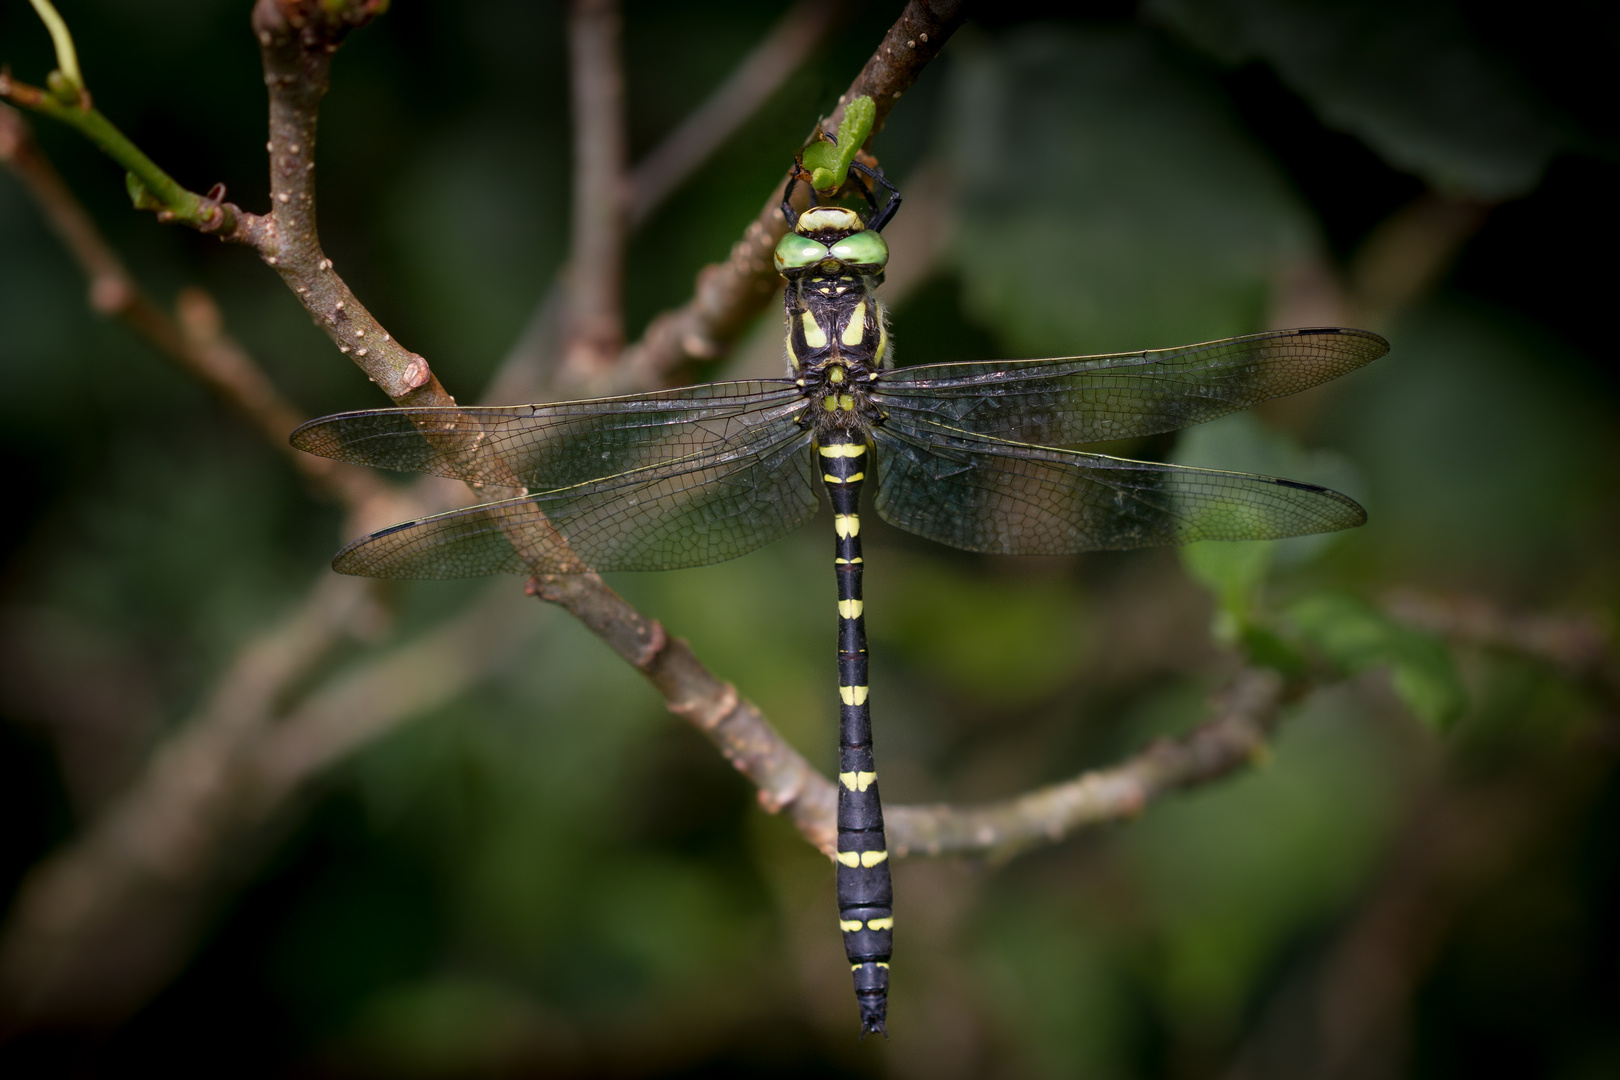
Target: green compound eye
{"x":863,"y":249}
{"x":795,"y":252}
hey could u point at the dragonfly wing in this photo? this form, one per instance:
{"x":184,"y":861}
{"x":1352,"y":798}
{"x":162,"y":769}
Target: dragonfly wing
{"x":1005,"y":498}
{"x":1073,"y":400}
{"x":544,"y":447}
{"x":462,"y":543}
{"x":692,"y":511}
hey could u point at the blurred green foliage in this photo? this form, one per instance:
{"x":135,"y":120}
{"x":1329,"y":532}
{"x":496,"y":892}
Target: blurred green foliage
{"x":552,"y":876}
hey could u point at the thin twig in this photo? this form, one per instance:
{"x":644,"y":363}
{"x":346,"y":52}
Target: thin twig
{"x":1245,"y":712}
{"x":521,"y":375}
{"x":594,"y":325}
{"x":1577,"y":645}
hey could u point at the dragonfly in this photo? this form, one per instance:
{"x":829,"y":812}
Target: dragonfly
{"x":979,"y":456}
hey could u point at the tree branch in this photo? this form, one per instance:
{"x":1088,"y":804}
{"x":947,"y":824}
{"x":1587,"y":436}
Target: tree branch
{"x":728,"y":295}
{"x":1577,"y":645}
{"x":296,"y":41}
{"x":594,"y":325}
{"x":1245,"y":712}
{"x":664,"y":170}
{"x":150,"y":188}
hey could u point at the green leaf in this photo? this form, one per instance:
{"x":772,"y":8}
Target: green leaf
{"x":1354,"y":637}
{"x":1235,"y":571}
{"x":1268,"y":649}
{"x":1405,"y":76}
{"x":139,"y":196}
{"x":828,"y":162}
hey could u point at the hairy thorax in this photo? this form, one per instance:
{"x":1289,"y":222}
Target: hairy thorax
{"x":837,"y":340}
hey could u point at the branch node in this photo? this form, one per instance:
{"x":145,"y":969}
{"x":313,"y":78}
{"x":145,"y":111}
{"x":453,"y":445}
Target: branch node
{"x":772,"y":801}
{"x":416,"y":373}
{"x":707,"y":714}
{"x":653,"y":648}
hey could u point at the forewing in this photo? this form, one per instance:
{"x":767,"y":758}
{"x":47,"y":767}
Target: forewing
{"x":1073,"y":400}
{"x":545,"y":447}
{"x":701,"y":509}
{"x":1004,"y":498}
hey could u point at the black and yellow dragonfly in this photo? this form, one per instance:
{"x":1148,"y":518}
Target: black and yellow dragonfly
{"x":973,"y":455}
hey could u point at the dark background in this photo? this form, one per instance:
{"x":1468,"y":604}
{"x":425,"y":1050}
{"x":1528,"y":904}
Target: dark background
{"x":549,"y":875}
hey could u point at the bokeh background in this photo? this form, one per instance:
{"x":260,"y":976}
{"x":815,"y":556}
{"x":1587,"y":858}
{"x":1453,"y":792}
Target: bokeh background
{"x":538,"y":871}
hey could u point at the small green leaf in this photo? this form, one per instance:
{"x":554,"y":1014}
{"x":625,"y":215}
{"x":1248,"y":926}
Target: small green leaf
{"x":1354,"y":638}
{"x":1425,"y":678}
{"x":139,"y":195}
{"x":829,"y":163}
{"x":1233,"y":571}
{"x":1267,"y":649}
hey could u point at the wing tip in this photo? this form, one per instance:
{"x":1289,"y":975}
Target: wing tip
{"x":303,"y":437}
{"x":1378,"y":341}
{"x":1355,"y":513}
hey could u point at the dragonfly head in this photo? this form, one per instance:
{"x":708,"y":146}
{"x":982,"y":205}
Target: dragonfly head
{"x":833,"y":239}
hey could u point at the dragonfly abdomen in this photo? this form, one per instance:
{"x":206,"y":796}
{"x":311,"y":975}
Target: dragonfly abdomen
{"x":865,"y":893}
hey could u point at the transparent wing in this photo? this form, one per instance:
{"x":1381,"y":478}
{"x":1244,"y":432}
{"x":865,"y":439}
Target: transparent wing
{"x":704,"y":508}
{"x":983,"y":494}
{"x":1073,"y":400}
{"x":544,"y":447}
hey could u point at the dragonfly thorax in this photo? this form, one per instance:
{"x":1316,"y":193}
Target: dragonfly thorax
{"x":837,"y":340}
{"x":837,"y":328}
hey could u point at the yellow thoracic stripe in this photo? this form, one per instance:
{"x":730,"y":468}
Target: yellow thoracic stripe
{"x":846,"y":524}
{"x":814,"y":335}
{"x":850,"y":449}
{"x":857,"y":781}
{"x":849,"y":609}
{"x":855,"y":329}
{"x":853,"y":695}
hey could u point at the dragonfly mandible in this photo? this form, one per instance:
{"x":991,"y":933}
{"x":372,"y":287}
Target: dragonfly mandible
{"x":977,"y":455}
